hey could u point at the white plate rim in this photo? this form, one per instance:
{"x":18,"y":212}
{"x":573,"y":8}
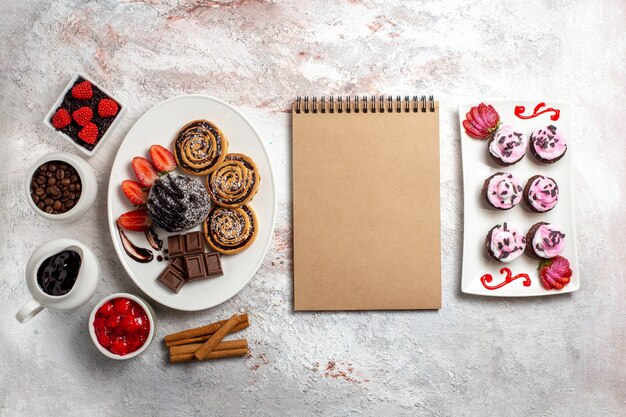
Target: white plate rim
{"x":465,"y":287}
{"x":111,"y":221}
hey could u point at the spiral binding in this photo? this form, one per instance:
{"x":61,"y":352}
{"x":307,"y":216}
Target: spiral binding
{"x":364,"y":104}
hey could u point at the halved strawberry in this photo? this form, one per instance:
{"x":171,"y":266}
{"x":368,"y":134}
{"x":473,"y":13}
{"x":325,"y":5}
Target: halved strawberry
{"x":163,"y":159}
{"x":144,"y":171}
{"x":136,"y":220}
{"x":134,"y":192}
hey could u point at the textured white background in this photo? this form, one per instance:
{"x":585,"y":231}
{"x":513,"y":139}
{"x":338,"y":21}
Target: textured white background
{"x":551,"y":356}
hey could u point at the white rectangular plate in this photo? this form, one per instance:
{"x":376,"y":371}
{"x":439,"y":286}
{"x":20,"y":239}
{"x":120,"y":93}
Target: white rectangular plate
{"x":479,"y":218}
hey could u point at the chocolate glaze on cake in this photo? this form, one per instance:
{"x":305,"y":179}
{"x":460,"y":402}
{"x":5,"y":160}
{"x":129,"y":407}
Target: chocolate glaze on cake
{"x":178,"y":203}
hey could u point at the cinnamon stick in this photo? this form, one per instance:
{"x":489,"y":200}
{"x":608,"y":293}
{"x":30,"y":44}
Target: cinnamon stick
{"x":225,"y":345}
{"x":237,"y":328}
{"x":201,"y":331}
{"x":216,"y":354}
{"x":217,"y":337}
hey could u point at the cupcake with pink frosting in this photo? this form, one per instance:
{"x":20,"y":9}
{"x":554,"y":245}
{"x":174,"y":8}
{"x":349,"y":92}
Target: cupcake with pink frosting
{"x":545,"y":240}
{"x":505,"y":242}
{"x":507,"y":146}
{"x":548,"y":144}
{"x":502,"y":191}
{"x":541,"y":193}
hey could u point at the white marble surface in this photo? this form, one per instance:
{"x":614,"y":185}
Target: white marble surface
{"x":554,"y":356}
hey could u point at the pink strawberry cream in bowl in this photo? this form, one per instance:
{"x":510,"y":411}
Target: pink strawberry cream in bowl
{"x":122,"y":326}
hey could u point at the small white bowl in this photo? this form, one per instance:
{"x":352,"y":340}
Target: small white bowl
{"x":57,"y":103}
{"x":151,"y":317}
{"x":89,"y":187}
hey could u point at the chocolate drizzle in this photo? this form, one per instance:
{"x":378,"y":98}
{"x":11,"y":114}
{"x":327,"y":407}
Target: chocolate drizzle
{"x":141,"y":255}
{"x":153,"y":239}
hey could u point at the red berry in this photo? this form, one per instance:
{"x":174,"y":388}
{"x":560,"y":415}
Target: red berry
{"x":99,"y":323}
{"x":163,"y":159}
{"x":107,"y":309}
{"x":134,"y":192}
{"x":130,"y":325}
{"x":481,"y":121}
{"x":61,"y":119}
{"x":144,"y":171}
{"x":89,"y":133}
{"x":122,"y":305}
{"x":555,"y":273}
{"x":82,"y":91}
{"x":83,"y":115}
{"x":136,"y":220}
{"x":114,"y":321}
{"x":107,"y":107}
{"x":119,"y":346}
{"x":104,"y":340}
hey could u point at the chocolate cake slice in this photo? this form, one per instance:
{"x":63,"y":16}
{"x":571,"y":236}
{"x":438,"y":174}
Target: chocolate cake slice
{"x":177,"y":203}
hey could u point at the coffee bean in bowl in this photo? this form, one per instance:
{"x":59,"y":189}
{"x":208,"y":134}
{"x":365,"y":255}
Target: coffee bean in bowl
{"x":61,"y":187}
{"x":55,"y":187}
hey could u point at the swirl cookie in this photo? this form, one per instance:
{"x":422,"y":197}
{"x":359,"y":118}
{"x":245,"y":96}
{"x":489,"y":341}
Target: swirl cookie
{"x":230,"y":230}
{"x":502,"y":191}
{"x":541,"y":193}
{"x":548,"y":144}
{"x":545,"y":240}
{"x":507,"y":146}
{"x":235,"y":182}
{"x":200,"y":147}
{"x":505,"y":242}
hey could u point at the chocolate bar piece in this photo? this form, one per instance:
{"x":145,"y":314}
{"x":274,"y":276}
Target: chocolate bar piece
{"x":194,"y":242}
{"x":179,"y":245}
{"x":203,"y":265}
{"x":172,"y":278}
{"x":176,"y":245}
{"x":196,"y":269}
{"x":213,"y":264}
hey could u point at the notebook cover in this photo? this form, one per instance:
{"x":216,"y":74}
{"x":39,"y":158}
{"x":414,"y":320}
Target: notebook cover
{"x":366,"y":218}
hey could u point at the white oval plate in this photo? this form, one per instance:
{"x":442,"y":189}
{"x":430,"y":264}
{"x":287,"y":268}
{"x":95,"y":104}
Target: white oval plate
{"x":159,"y":125}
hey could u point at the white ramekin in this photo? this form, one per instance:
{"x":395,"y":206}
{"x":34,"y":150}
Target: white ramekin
{"x":89,"y":187}
{"x":53,"y":109}
{"x":151,"y":317}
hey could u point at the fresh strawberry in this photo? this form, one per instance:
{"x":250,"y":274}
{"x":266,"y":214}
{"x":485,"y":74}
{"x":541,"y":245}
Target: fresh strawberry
{"x":61,"y":119}
{"x":134,"y":192}
{"x":555,"y":273}
{"x":162,"y":158}
{"x":89,"y":133}
{"x":144,"y":171}
{"x":136,"y":220}
{"x":82,"y":116}
{"x":481,"y":121}
{"x":107,"y":108}
{"x":82,"y":91}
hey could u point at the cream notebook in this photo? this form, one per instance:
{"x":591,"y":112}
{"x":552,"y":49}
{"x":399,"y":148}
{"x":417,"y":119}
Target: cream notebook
{"x":366,"y":203}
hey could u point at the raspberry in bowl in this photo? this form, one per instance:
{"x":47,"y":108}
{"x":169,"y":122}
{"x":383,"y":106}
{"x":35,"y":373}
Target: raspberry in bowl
{"x":122,"y":326}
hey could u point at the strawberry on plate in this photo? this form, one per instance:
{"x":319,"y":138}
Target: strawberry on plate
{"x":136,"y":220}
{"x":144,"y":171}
{"x":555,"y":273}
{"x":481,"y":121}
{"x":134,"y":192}
{"x":163,"y":159}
